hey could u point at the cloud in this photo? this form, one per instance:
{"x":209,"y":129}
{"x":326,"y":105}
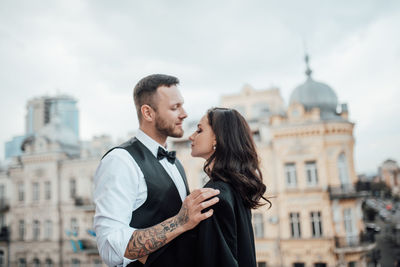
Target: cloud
{"x":97,"y":51}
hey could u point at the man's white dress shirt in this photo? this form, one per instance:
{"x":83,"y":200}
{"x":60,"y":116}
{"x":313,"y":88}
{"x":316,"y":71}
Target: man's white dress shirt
{"x":120,"y":188}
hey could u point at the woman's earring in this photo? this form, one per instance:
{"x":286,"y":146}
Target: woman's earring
{"x":214,"y":147}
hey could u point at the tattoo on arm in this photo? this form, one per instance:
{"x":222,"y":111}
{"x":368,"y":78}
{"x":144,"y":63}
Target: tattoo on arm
{"x":148,"y":240}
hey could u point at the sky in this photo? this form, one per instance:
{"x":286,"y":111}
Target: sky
{"x":96,"y":51}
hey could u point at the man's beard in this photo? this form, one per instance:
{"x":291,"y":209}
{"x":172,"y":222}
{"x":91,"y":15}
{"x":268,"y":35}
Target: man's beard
{"x":167,"y":129}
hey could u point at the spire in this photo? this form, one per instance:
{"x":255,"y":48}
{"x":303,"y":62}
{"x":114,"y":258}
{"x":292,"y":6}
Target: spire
{"x":308,"y":70}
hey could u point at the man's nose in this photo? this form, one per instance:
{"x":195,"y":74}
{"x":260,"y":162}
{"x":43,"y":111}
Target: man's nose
{"x":183,"y":114}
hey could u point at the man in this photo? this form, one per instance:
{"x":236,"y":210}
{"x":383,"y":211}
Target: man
{"x":143,"y":208}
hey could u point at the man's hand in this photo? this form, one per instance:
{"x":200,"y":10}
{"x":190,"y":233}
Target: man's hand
{"x":145,"y":241}
{"x":190,"y":214}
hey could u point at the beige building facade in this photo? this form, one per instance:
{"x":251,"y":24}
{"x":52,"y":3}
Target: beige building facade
{"x":50,"y":216}
{"x":389,"y":173}
{"x":306,"y":153}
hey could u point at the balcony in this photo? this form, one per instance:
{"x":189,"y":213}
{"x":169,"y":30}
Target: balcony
{"x":345,"y":192}
{"x":4,"y":204}
{"x":357,"y":243}
{"x":84,"y":203}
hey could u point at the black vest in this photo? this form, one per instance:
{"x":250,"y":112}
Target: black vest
{"x":163,"y":201}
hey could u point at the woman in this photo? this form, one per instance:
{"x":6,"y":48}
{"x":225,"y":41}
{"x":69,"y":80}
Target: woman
{"x":224,"y":140}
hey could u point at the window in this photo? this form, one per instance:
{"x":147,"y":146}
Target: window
{"x":260,"y":110}
{"x":298,"y":264}
{"x":258,"y":221}
{"x":316,"y":223}
{"x":47,"y":190}
{"x":320,"y":264}
{"x":352,"y":264}
{"x":21,"y":229}
{"x":311,"y":173}
{"x":21,"y":192}
{"x":35,"y":191}
{"x":1,"y":258}
{"x":261,"y":264}
{"x":349,"y":226}
{"x":36,"y":263}
{"x":343,"y":170}
{"x":75,"y":263}
{"x":48,"y":263}
{"x":36,"y":230}
{"x":290,"y":174}
{"x":48,"y":229}
{"x":74,"y":226}
{"x":72,"y":188}
{"x":3,"y":202}
{"x":295,"y":224}
{"x":21,"y":262}
{"x":2,"y":220}
{"x":97,"y":263}
{"x":2,"y":191}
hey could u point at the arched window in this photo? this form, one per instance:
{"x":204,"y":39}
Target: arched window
{"x":21,"y":262}
{"x":48,"y":263}
{"x":343,"y":170}
{"x":36,"y":263}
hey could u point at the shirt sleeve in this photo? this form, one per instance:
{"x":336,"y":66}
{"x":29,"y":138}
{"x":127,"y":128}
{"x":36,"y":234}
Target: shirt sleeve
{"x":116,"y":184}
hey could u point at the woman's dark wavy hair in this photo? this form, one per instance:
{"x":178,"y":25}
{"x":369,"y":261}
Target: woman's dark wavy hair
{"x":235,"y":160}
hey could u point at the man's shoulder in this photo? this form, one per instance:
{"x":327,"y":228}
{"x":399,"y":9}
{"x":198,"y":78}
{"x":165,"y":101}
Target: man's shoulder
{"x":117,"y":153}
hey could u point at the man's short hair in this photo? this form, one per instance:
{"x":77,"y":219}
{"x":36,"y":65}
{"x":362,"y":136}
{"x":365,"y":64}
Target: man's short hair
{"x":145,"y":90}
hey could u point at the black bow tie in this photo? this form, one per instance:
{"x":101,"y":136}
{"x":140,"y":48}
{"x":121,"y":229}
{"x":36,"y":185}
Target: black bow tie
{"x":161,"y":153}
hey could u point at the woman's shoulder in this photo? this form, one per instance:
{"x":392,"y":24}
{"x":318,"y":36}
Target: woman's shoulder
{"x":226,"y":192}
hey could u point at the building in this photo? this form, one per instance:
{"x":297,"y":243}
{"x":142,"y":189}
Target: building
{"x":5,"y":185}
{"x":47,"y":209}
{"x":40,"y":112}
{"x":389,"y":173}
{"x":306,"y":153}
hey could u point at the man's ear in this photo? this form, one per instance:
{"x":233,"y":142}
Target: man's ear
{"x":148,"y":113}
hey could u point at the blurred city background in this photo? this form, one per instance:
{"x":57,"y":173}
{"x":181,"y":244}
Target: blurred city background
{"x":317,"y":81}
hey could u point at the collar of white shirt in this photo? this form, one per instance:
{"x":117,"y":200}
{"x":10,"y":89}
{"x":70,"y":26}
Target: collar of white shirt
{"x":148,"y":142}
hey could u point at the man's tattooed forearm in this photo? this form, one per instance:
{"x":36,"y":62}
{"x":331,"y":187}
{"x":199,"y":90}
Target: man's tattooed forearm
{"x":183,"y":216}
{"x":146,"y":241}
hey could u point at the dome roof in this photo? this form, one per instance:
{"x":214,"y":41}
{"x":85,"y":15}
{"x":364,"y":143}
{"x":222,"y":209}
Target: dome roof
{"x":314,"y":94}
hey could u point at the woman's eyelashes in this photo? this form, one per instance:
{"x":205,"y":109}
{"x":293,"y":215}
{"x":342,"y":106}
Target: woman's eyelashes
{"x":198,"y":130}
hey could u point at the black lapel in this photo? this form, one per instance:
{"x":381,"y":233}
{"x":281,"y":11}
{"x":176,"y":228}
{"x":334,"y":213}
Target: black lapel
{"x":182,"y":172}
